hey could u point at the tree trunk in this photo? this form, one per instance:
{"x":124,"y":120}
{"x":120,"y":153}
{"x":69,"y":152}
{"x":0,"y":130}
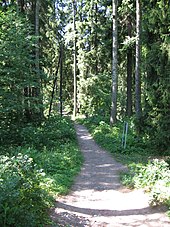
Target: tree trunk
{"x":96,"y":40}
{"x":38,"y":89}
{"x":61,"y":82}
{"x":21,"y":5}
{"x":37,"y":54}
{"x":138,"y":61}
{"x":75,"y":59}
{"x":54,"y":85}
{"x":114,"y":65}
{"x":129,"y":73}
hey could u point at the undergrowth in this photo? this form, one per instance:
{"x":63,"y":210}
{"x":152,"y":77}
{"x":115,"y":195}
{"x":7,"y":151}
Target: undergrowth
{"x":33,"y":173}
{"x":146,"y":164}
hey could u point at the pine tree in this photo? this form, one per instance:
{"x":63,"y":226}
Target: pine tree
{"x":75,"y":60}
{"x":138,"y":65}
{"x":114,"y":66}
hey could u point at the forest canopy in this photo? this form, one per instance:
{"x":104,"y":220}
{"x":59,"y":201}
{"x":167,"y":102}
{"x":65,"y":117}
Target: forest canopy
{"x":57,"y":54}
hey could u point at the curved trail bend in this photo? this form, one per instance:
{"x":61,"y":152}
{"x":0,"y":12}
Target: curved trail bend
{"x":98,"y":199}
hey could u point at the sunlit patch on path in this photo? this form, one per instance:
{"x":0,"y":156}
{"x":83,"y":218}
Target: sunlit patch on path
{"x":98,"y":198}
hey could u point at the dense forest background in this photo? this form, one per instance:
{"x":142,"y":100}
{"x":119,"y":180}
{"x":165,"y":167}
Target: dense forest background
{"x":92,"y":58}
{"x":56,"y":53}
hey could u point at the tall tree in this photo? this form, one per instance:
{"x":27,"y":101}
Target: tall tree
{"x":114,"y":65}
{"x":129,"y":70}
{"x":138,"y":62}
{"x":157,"y":75}
{"x":61,"y":81}
{"x":37,"y":91}
{"x":55,"y":83}
{"x":37,"y":34}
{"x":75,"y":59}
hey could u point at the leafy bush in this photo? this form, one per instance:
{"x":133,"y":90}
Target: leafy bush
{"x":154,"y":177}
{"x":94,"y":96}
{"x":44,"y":165}
{"x":52,"y":133}
{"x":60,"y":165}
{"x":151,"y":173}
{"x":23,"y":202}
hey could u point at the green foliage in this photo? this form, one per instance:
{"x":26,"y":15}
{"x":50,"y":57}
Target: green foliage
{"x":23,"y":202}
{"x":156,"y":43}
{"x":154,"y":177}
{"x":17,"y":74}
{"x":60,"y":165}
{"x":42,"y":167}
{"x":107,"y":136}
{"x":51,"y":143}
{"x":94,"y":94}
{"x":55,"y":131}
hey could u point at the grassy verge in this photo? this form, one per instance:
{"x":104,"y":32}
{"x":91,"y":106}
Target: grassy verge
{"x":148,"y":168}
{"x":32,"y":174}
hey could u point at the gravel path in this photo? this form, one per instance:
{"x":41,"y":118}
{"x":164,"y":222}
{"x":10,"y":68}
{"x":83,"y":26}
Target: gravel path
{"x":98,"y":199}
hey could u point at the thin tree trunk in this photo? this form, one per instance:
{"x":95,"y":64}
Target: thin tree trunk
{"x":61,"y":82}
{"x":54,"y":85}
{"x":75,"y":59}
{"x":129,"y":73}
{"x":96,"y":41}
{"x":138,"y":61}
{"x":37,"y":22}
{"x":38,"y":90}
{"x":114,"y":65}
{"x":21,"y":5}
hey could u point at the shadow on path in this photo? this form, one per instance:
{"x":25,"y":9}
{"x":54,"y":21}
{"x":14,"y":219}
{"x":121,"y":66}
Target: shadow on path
{"x":107,"y":213}
{"x":98,"y":199}
{"x":100,"y":171}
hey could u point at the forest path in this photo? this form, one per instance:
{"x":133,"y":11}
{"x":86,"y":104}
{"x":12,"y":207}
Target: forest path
{"x":98,"y":199}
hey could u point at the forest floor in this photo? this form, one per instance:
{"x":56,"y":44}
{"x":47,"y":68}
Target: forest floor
{"x":98,"y":199}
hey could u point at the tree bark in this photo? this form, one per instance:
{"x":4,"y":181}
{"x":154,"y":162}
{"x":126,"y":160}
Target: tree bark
{"x":129,"y":72}
{"x":54,"y":85}
{"x":38,"y":90}
{"x":75,"y":60}
{"x":114,"y":65}
{"x":37,"y":22}
{"x":96,"y":40}
{"x":138,"y":61}
{"x":21,"y":5}
{"x":61,"y":81}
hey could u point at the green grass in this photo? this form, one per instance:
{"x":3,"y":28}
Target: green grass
{"x":34,"y":173}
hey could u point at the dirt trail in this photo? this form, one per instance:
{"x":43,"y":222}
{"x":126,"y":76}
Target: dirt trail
{"x":98,"y":199}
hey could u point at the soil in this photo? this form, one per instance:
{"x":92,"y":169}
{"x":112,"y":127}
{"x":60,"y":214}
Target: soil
{"x":98,"y":199}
